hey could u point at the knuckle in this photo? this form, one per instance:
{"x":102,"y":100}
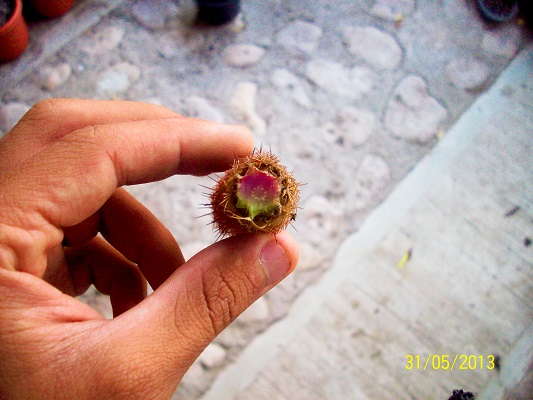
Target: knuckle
{"x":49,"y":114}
{"x":89,"y":147}
{"x":102,"y":145}
{"x":45,"y":109}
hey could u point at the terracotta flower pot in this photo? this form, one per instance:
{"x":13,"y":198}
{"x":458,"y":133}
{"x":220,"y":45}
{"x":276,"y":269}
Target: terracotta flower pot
{"x":51,"y":8}
{"x":13,"y":34}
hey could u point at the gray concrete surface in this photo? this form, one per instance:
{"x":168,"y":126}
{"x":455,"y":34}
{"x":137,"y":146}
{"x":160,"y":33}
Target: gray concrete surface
{"x":351,"y":95}
{"x":465,"y":292}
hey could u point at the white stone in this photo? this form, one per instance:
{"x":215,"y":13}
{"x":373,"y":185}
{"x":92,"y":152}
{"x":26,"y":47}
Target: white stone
{"x":503,"y":41}
{"x":335,"y":78}
{"x":195,"y":375}
{"x":105,"y":40}
{"x":117,"y":79}
{"x":182,"y":39}
{"x":54,"y":76}
{"x":322,"y":215}
{"x":198,"y":107}
{"x":258,"y":311}
{"x":152,"y":14}
{"x":372,"y":175}
{"x":285,"y":80}
{"x":412,"y":113}
{"x":392,"y":9}
{"x":242,"y":55}
{"x":300,"y":144}
{"x":238,"y":24}
{"x":300,"y":35}
{"x":242,"y":104}
{"x":353,"y":126}
{"x":10,"y":114}
{"x":377,"y":48}
{"x":310,"y":257}
{"x":212,"y":356}
{"x":467,"y":74}
{"x":233,"y":336}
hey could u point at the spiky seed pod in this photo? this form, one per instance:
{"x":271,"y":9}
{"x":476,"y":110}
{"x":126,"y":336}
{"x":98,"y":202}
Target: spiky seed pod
{"x":256,"y":195}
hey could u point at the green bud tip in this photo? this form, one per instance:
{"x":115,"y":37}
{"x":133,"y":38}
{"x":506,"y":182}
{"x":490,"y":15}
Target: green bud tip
{"x":258,"y":192}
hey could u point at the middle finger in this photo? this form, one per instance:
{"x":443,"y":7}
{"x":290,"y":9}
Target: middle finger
{"x":136,"y":233}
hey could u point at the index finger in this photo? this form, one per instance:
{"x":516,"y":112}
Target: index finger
{"x":51,"y":119}
{"x":72,"y":178}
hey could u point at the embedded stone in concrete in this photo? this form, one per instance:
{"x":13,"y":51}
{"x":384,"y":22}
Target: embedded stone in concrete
{"x":242,"y":55}
{"x":213,"y":356}
{"x":412,"y":113}
{"x":310,"y":257}
{"x":10,"y":114}
{"x":372,"y":175}
{"x":392,"y":9}
{"x":195,"y":375}
{"x":258,"y":311}
{"x":300,"y":35}
{"x":104,"y":40}
{"x":300,"y":145}
{"x":117,"y":79}
{"x":238,"y":25}
{"x":283,"y":78}
{"x":152,"y":14}
{"x":179,"y":41}
{"x":54,"y":76}
{"x":376,"y":47}
{"x":503,"y":41}
{"x":286,"y":80}
{"x":467,"y":74}
{"x":233,"y":336}
{"x":198,"y":107}
{"x":355,"y":126}
{"x":322,"y":215}
{"x":337,"y":79}
{"x":242,"y":104}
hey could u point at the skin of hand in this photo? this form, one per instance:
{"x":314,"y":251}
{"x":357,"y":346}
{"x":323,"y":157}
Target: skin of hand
{"x":61,"y":171}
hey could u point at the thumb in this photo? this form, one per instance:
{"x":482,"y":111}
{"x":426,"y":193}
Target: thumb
{"x":169,"y":329}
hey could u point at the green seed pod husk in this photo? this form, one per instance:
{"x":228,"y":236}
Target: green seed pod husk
{"x":257,"y":194}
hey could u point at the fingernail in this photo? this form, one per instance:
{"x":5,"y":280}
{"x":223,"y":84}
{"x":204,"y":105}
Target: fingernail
{"x":275,"y":262}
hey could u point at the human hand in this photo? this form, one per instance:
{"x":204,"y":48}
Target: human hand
{"x":61,"y":169}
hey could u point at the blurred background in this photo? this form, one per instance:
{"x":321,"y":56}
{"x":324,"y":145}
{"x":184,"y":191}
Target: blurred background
{"x":351,"y":95}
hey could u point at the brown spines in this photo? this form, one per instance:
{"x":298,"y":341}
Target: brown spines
{"x":231,"y":220}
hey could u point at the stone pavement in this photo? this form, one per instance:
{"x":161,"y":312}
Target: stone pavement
{"x":350,"y":94}
{"x":382,"y":325}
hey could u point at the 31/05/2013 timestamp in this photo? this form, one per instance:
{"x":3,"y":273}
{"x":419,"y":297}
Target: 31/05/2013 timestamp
{"x":465,"y":362}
